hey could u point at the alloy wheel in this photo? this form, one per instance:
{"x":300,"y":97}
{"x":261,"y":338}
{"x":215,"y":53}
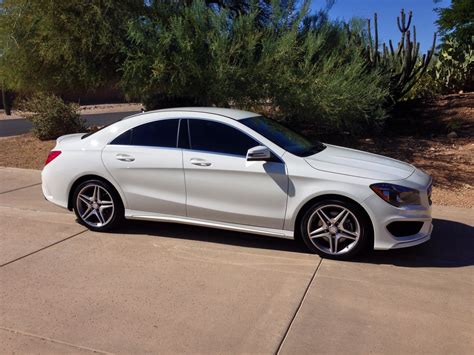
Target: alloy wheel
{"x":333,"y":229}
{"x":95,"y":205}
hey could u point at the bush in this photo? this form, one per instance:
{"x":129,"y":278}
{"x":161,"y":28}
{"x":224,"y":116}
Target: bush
{"x":52,"y":117}
{"x":304,"y":68}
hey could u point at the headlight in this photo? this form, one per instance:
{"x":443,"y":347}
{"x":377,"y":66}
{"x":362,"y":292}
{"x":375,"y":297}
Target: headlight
{"x":397,"y":195}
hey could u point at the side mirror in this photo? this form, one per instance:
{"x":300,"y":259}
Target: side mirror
{"x":259,"y":153}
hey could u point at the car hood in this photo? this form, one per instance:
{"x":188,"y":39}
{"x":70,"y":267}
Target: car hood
{"x":353,"y":162}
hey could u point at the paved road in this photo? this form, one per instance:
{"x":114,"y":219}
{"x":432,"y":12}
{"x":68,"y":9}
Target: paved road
{"x":21,"y":126}
{"x":164,"y":288}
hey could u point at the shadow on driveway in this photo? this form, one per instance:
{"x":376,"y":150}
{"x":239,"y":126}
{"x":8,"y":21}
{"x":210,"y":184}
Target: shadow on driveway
{"x":211,"y":235}
{"x":451,"y":244}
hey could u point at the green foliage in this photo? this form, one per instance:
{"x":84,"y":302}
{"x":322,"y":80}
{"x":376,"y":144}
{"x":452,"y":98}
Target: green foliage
{"x":457,"y":20}
{"x":404,"y":65}
{"x":52,"y":117}
{"x":305,"y":68}
{"x":455,"y":66}
{"x":57,"y":45}
{"x":427,"y":87}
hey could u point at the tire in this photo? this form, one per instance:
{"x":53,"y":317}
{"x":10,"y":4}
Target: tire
{"x":336,"y":229}
{"x":97,"y":205}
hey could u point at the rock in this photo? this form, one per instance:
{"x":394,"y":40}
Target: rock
{"x":452,"y":135}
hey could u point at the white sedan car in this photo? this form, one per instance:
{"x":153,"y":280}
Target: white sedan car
{"x":239,"y":171}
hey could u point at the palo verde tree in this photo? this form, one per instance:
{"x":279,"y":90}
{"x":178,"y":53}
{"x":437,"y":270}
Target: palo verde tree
{"x":303,"y":69}
{"x":55,"y":45}
{"x":404,"y":64}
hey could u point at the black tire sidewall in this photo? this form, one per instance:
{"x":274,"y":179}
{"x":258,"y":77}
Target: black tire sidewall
{"x":364,"y":222}
{"x":118,"y":206}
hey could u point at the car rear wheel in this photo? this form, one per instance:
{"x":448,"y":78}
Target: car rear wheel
{"x":335,"y":229}
{"x":97,"y":205}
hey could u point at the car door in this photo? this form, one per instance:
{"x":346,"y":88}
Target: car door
{"x":221,"y":185}
{"x":148,"y":166}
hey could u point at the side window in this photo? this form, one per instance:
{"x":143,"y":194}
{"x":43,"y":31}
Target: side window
{"x":162,"y":133}
{"x":216,"y":137}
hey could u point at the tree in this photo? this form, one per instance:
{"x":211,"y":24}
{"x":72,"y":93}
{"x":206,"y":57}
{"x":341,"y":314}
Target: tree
{"x":56,"y":45}
{"x":455,"y":66}
{"x":312,"y":72}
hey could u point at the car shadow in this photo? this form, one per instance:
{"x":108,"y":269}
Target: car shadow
{"x":451,"y":244}
{"x":211,"y":235}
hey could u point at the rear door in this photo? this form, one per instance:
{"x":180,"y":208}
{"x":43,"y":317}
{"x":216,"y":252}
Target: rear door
{"x":148,"y":166}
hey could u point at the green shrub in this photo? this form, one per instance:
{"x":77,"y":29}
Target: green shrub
{"x":300,"y":69}
{"x":52,"y":117}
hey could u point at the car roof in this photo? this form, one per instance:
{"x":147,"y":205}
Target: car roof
{"x":226,"y":112}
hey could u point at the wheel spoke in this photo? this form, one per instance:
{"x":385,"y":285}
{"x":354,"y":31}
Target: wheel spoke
{"x":100,"y":216}
{"x":346,"y":235}
{"x":353,"y":234}
{"x":340,"y":217}
{"x":335,"y":239}
{"x":322,"y":216}
{"x":90,"y":211}
{"x":85,"y":199}
{"x":318,"y":231}
{"x":95,"y":194}
{"x":330,"y":244}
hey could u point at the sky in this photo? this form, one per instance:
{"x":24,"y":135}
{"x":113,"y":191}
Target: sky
{"x":424,"y":16}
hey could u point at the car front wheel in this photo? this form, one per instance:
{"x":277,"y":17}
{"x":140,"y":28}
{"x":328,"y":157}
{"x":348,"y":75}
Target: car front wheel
{"x":335,"y":229}
{"x":97,"y":205}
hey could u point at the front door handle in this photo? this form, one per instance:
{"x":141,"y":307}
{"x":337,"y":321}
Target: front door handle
{"x":200,"y":162}
{"x":124,"y":157}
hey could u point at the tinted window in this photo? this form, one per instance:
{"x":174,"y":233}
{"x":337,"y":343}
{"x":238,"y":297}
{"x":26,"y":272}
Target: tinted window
{"x":216,"y":137}
{"x":154,"y":134}
{"x":283,"y":136}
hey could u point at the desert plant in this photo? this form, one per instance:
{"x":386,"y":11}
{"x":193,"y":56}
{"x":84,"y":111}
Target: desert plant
{"x":51,"y":116}
{"x":404,"y":64}
{"x":454,"y":69}
{"x":305,"y":70}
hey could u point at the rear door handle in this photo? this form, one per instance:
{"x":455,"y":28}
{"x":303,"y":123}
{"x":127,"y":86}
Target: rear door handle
{"x":200,"y":162}
{"x":124,"y":157}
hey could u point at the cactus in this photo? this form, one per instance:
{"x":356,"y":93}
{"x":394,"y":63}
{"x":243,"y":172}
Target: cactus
{"x":404,"y":64}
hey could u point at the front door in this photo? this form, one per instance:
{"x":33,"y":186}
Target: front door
{"x":222,"y":186}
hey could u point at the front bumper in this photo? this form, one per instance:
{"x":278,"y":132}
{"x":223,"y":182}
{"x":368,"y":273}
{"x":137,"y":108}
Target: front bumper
{"x":382,"y":214}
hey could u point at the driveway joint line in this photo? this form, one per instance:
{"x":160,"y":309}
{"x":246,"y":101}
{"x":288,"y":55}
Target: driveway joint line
{"x":14,"y":331}
{"x":20,"y":188}
{"x":43,"y":248}
{"x":280,"y":346}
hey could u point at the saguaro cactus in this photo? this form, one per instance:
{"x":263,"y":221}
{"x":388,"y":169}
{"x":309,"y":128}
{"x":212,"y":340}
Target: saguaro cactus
{"x":404,"y":63}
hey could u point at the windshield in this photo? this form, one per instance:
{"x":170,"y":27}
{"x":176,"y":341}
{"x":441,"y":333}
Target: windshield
{"x":283,"y":136}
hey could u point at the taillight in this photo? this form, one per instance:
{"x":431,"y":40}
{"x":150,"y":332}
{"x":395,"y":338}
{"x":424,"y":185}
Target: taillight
{"x":51,"y":156}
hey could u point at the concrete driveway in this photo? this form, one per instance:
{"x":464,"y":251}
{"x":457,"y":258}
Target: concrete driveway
{"x":167,"y":288}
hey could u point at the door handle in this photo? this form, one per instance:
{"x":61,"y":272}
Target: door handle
{"x":124,"y":157}
{"x":200,"y":162}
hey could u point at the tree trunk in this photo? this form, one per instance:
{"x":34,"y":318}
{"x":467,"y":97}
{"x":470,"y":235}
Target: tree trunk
{"x":6,"y":104}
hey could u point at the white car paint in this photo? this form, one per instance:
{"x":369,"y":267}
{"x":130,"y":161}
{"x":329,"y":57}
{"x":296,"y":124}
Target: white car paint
{"x":229,"y":192}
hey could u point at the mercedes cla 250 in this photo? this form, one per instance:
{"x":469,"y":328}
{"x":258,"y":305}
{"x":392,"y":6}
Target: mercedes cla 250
{"x":239,"y":171}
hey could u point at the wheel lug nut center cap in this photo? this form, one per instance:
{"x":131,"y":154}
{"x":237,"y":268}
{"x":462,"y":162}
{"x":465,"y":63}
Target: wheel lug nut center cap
{"x":333,"y":229}
{"x":95,"y":205}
